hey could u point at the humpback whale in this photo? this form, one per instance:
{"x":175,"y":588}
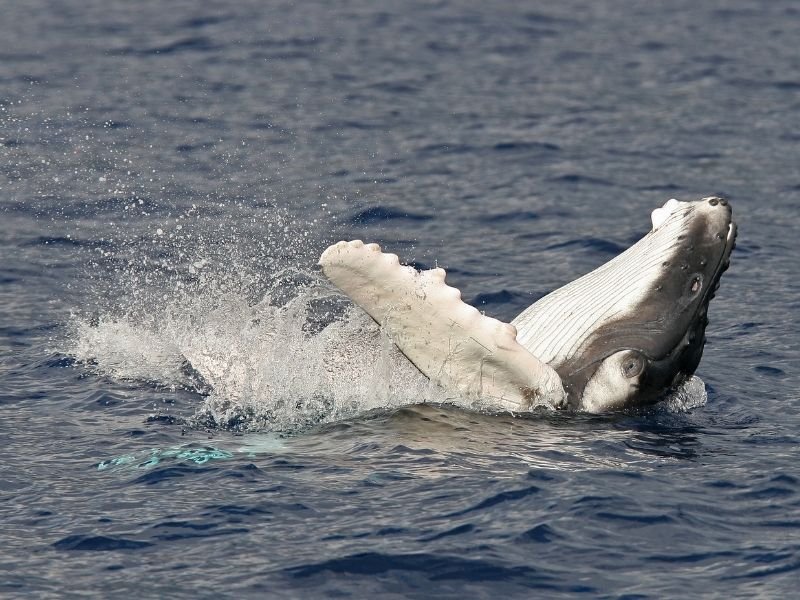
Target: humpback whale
{"x":622,"y":335}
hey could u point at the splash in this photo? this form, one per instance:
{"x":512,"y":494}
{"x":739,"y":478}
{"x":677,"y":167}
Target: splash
{"x":689,"y":395}
{"x":270,"y":366}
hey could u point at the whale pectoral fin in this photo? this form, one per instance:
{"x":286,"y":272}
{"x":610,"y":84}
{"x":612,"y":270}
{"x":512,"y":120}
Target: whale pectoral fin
{"x":452,"y":343}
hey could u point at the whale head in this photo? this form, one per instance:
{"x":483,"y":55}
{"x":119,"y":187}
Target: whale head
{"x":634,"y":328}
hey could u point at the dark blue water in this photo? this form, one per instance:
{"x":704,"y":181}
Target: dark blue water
{"x":169,"y":174}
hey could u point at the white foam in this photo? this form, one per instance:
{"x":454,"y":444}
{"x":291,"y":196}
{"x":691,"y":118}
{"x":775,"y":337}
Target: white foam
{"x":689,"y":395}
{"x":265,"y":365}
{"x":127,"y":352}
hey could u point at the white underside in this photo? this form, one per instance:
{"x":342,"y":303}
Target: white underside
{"x":557,"y":326}
{"x":452,"y":343}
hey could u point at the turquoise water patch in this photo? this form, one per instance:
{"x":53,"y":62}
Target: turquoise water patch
{"x":198,"y":456}
{"x":254,"y":445}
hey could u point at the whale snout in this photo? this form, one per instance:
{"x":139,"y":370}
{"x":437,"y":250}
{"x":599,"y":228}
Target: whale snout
{"x":718,"y":231}
{"x":717,"y":206}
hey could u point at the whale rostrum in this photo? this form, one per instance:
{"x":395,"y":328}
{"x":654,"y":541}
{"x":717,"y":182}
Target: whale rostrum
{"x":621,"y":335}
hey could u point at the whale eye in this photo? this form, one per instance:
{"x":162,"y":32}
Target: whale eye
{"x":695,"y":284}
{"x":633,"y":365}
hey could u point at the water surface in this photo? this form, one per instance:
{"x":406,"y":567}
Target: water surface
{"x":168,"y":178}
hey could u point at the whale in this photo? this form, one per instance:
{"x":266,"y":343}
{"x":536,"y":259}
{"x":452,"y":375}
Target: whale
{"x":623,"y":335}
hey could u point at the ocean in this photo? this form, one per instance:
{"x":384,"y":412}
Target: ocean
{"x":172,"y":421}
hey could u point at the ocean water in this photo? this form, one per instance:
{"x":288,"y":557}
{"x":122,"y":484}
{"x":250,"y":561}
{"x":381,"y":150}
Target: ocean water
{"x":187,"y":409}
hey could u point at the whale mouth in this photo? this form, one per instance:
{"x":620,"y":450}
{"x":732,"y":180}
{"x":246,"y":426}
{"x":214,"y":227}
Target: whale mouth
{"x":723,"y":264}
{"x":671,"y":369}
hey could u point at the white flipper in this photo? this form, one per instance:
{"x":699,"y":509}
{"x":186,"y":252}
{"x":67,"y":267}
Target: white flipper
{"x":452,"y":343}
